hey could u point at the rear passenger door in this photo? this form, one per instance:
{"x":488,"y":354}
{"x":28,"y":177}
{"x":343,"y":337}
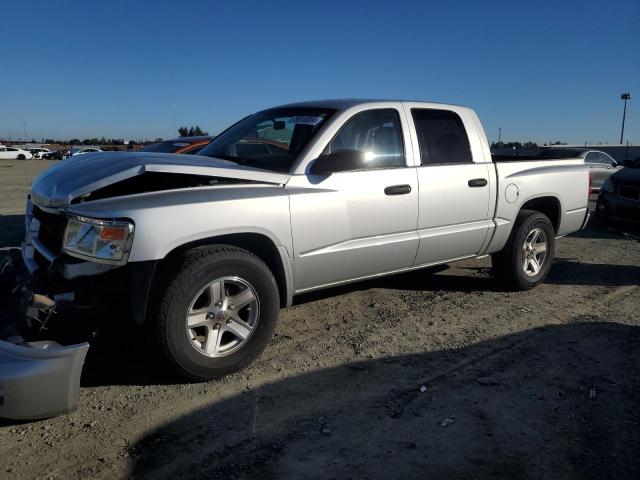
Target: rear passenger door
{"x":454,"y":215}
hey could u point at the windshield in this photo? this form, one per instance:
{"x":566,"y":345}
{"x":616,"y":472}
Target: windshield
{"x":271,"y":139}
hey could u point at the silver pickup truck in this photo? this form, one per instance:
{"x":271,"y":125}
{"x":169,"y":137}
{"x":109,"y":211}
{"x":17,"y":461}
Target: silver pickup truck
{"x":204,"y":250}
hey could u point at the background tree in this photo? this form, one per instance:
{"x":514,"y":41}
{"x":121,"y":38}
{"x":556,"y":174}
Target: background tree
{"x":191,"y":131}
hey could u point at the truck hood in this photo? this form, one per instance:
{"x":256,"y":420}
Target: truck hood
{"x":82,"y":174}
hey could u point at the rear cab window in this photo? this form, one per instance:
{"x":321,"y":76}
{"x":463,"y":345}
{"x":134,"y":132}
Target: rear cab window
{"x":442,"y":137}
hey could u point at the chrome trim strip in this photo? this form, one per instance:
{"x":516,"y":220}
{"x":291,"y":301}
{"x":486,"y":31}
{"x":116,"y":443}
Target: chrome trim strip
{"x":576,"y":210}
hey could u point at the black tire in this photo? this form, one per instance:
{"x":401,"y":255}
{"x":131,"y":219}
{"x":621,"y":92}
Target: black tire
{"x":178,"y":284}
{"x":507,"y":265}
{"x":21,"y":157}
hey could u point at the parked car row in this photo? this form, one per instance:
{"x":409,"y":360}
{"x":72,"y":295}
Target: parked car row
{"x":15,"y":153}
{"x":183,"y":145}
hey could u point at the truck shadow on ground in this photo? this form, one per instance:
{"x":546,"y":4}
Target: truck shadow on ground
{"x":598,"y":230}
{"x":567,"y":271}
{"x":558,"y":401}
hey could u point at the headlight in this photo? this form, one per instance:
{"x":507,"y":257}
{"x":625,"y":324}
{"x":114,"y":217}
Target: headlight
{"x":608,"y":186}
{"x":106,"y":241}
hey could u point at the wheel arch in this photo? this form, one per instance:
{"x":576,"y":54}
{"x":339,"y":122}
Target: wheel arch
{"x":548,"y":205}
{"x":260,"y":245}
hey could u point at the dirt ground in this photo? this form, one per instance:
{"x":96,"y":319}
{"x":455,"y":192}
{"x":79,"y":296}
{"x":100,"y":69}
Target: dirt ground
{"x":431,"y":374}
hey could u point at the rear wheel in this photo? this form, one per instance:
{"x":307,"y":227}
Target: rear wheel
{"x":526,"y":259}
{"x":217,"y":310}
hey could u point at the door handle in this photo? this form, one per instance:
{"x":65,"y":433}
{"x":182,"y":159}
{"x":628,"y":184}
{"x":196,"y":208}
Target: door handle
{"x":477,"y":182}
{"x":397,"y":190}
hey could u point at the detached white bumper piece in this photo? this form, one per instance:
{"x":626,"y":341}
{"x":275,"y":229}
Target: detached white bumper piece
{"x":39,"y":379}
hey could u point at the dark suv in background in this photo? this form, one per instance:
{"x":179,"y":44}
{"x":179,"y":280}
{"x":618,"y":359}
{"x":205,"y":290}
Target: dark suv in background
{"x":619,"y":201}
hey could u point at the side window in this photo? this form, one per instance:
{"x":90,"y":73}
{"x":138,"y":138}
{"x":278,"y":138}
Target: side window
{"x":376,"y":133}
{"x":442,"y":137}
{"x":607,"y":160}
{"x":591,"y":157}
{"x":598,"y":158}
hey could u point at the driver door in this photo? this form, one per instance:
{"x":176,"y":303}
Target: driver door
{"x":353,"y":224}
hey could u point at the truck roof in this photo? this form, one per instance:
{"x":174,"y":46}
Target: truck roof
{"x":344,"y":103}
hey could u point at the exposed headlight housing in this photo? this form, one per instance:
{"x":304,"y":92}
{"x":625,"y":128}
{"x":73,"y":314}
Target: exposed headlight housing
{"x":102,"y":241}
{"x":608,"y":186}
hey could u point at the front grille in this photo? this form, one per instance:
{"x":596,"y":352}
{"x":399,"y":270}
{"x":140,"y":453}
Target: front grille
{"x":630,"y":192}
{"x":51,"y":229}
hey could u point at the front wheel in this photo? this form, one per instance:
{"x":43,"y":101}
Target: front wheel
{"x":216,"y":312}
{"x":526,"y":259}
{"x":21,"y":157}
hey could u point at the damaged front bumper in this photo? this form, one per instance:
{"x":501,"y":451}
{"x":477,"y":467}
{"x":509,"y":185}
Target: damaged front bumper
{"x":45,"y":294}
{"x":39,"y":379}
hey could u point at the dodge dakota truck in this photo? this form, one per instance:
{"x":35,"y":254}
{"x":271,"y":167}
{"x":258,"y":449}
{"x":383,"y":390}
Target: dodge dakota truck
{"x":203,"y":250}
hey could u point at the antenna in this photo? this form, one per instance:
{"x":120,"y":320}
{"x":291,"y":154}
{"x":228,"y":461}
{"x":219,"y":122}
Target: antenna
{"x":173,"y":132}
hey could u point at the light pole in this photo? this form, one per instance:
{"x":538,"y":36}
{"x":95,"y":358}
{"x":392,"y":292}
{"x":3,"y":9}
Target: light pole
{"x":625,"y":97}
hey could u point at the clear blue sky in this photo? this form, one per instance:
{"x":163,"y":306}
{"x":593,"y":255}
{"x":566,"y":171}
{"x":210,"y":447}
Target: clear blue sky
{"x":542,"y":70}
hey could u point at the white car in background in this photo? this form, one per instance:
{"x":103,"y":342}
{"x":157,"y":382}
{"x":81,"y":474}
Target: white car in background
{"x":39,"y":152}
{"x":14,"y":153}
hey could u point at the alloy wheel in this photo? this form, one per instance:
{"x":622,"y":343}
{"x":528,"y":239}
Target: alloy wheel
{"x":222,"y":316}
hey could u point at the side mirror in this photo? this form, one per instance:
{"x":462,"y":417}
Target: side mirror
{"x":338,"y":161}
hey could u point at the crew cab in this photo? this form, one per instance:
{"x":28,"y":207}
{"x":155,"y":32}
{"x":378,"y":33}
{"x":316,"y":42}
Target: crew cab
{"x":203,"y":250}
